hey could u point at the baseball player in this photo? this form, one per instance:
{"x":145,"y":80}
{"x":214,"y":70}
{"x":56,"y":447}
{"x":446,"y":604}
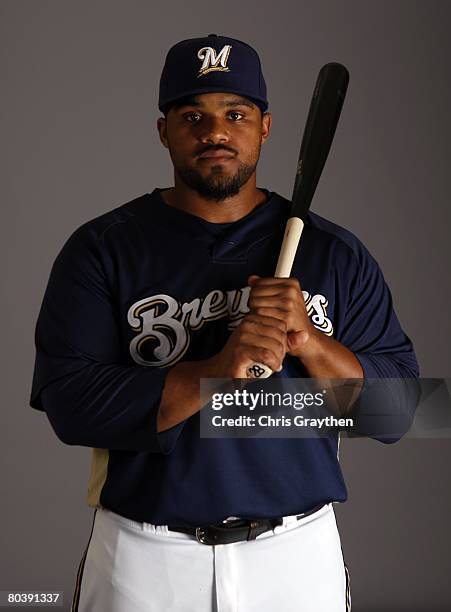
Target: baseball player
{"x":174,"y":286}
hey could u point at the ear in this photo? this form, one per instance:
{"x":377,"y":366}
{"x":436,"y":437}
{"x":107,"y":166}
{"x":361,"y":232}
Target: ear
{"x":162,"y":131}
{"x":266,"y":126}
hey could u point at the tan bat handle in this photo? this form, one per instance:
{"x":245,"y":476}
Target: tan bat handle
{"x":293,"y":232}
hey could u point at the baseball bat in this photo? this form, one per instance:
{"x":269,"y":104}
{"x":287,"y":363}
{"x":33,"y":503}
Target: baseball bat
{"x":322,"y":120}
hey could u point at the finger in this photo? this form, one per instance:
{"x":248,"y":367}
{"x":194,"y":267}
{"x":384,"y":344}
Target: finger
{"x":274,"y":312}
{"x":252,"y":279}
{"x":254,"y":344}
{"x":260,"y":340}
{"x":251,"y":355}
{"x":268,"y":290}
{"x":270,"y":280}
{"x":296,"y":340}
{"x":275,"y":330}
{"x":265,"y":320}
{"x":258,"y":302}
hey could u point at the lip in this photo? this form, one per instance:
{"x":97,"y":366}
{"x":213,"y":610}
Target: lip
{"x":216,"y":155}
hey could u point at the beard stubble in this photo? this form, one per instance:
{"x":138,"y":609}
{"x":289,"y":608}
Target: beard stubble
{"x":217,"y":186}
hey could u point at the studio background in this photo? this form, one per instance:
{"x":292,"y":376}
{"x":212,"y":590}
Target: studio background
{"x":78,"y":124}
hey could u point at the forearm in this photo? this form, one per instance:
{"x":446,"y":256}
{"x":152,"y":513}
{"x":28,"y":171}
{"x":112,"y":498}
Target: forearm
{"x":256,"y":338}
{"x":181,"y":393}
{"x":324,"y":357}
{"x":104,"y":405}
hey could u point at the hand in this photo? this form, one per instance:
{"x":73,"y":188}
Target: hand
{"x":282,"y":299}
{"x":257,"y":339}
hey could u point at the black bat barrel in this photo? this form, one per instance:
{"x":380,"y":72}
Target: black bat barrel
{"x":324,"y":112}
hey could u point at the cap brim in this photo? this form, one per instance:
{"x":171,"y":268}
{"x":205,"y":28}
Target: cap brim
{"x":262,"y":104}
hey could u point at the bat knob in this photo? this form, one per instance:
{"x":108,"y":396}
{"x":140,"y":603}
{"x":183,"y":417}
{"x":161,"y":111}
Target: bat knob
{"x":258,"y":370}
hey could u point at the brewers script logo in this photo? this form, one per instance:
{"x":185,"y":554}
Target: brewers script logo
{"x":163,"y":324}
{"x":211,"y":61}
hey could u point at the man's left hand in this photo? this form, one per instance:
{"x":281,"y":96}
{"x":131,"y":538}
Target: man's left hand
{"x":282,"y":298}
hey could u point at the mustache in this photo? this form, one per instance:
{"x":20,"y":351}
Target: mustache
{"x":216,"y":148}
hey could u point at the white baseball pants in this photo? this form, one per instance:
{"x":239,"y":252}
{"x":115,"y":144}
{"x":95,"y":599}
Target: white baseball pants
{"x":139,"y":567}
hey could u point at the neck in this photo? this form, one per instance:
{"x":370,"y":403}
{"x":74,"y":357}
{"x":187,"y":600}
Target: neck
{"x":226,"y":211}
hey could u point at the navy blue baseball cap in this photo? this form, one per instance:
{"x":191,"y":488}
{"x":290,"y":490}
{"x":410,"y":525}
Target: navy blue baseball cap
{"x":212,"y":64}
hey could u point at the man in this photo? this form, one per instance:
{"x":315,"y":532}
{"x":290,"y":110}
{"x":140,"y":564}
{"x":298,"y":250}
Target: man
{"x":176,"y":286}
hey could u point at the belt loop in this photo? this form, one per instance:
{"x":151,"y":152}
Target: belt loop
{"x":289,"y":520}
{"x":253,"y":531}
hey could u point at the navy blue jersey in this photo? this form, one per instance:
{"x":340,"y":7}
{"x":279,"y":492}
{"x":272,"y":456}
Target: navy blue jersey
{"x":144,"y":286}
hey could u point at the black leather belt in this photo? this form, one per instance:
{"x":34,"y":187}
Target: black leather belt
{"x":236,"y":530}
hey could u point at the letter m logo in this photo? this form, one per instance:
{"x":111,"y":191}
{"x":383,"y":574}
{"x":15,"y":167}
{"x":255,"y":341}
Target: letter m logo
{"x":211,"y":61}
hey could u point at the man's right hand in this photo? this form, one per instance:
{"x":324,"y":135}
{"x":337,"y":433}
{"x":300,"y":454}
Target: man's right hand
{"x":257,"y":339}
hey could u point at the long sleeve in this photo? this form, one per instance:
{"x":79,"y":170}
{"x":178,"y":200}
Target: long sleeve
{"x":372,"y":331}
{"x":81,"y":379}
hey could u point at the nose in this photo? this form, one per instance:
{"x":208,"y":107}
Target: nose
{"x":214,"y":130}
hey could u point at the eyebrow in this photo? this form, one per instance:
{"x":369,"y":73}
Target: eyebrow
{"x":238,"y":101}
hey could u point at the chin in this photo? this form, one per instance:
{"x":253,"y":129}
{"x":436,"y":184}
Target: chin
{"x":219,"y":171}
{"x":219,"y":182}
{"x":219,"y":166}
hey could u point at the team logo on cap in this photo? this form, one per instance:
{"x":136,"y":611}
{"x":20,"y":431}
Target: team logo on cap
{"x":211,"y":61}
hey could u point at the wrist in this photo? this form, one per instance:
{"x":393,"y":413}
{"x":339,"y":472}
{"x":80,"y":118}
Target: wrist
{"x":213,"y":368}
{"x":311,"y":349}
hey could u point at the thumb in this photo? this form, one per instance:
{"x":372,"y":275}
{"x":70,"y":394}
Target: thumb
{"x":252,"y":278}
{"x":296,"y":340}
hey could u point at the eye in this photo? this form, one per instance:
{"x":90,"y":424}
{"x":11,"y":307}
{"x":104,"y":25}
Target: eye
{"x":235,"y":115}
{"x":192,"y":117}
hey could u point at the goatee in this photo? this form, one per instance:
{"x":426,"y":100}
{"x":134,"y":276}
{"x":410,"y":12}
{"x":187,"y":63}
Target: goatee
{"x":216,"y":186}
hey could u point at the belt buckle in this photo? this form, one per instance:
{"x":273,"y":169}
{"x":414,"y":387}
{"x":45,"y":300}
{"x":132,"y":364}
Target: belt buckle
{"x":218,"y":534}
{"x":201,"y":535}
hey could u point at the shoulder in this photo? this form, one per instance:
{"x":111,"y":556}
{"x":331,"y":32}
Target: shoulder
{"x":87,"y":249}
{"x":352,"y":260}
{"x":328,"y":245}
{"x":96,"y":229}
{"x":344,"y":239}
{"x":333,"y":236}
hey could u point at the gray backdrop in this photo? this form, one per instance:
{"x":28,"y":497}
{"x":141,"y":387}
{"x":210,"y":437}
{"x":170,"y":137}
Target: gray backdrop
{"x":78,"y":124}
